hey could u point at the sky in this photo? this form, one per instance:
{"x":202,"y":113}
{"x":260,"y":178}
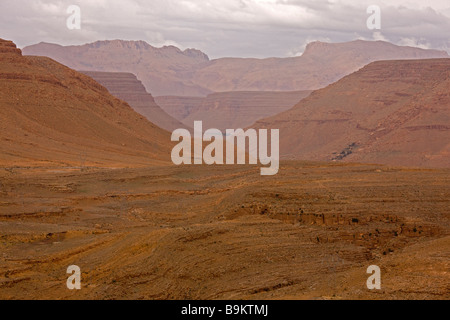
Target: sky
{"x":228,"y":28}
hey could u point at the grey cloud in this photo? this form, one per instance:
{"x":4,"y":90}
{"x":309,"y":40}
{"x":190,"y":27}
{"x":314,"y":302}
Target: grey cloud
{"x":246,"y":28}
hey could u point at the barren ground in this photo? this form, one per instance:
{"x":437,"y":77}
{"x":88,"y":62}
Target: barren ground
{"x":198,"y":232}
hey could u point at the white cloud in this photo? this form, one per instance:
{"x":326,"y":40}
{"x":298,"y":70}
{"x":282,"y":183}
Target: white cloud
{"x":414,"y":42}
{"x":378,"y":36}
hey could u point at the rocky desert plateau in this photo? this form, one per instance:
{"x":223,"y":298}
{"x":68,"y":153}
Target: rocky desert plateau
{"x":225,"y":232}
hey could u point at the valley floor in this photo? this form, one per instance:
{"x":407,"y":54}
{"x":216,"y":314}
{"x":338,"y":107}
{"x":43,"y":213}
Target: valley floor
{"x":222,"y":232}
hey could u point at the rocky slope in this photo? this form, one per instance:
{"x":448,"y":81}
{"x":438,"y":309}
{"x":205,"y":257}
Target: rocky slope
{"x":53,"y":115}
{"x":170,"y":71}
{"x":393,"y":112}
{"x":226,"y":110}
{"x":128,"y":88}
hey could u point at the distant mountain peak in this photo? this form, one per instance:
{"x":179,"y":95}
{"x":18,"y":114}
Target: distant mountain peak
{"x":129,"y":44}
{"x":194,"y":53}
{"x":319,"y":47}
{"x":315,"y":47}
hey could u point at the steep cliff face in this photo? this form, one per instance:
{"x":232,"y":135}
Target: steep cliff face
{"x":128,"y":88}
{"x":226,"y":110}
{"x":168,"y":71}
{"x":394,"y":112}
{"x":53,"y":115}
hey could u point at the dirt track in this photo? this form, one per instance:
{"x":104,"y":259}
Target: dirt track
{"x":225,"y":232}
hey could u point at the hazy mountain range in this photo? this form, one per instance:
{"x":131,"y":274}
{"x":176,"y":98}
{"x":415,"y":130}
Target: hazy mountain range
{"x":168,"y":71}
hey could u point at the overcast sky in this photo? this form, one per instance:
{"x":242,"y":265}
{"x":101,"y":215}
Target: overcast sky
{"x":222,"y":28}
